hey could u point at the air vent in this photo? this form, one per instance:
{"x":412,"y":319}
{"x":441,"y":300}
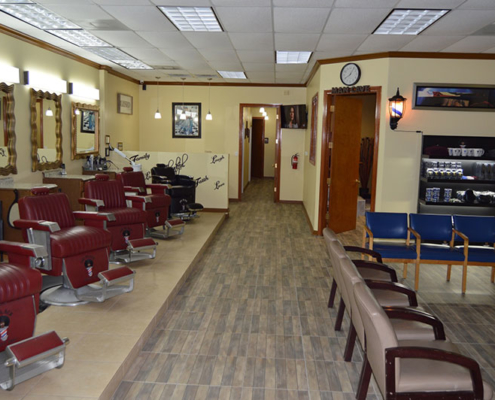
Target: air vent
{"x":206,"y":76}
{"x":180,"y":75}
{"x":166,"y":67}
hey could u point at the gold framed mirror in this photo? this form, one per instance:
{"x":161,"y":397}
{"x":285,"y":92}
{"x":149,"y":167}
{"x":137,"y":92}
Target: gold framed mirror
{"x":8,"y":155}
{"x":85,"y":130}
{"x":46,"y":130}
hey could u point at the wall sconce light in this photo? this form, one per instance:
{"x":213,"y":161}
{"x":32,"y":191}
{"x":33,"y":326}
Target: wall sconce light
{"x":45,"y":82}
{"x":87,"y":92}
{"x":157,"y":114}
{"x":396,"y":108}
{"x":77,"y":111}
{"x":209,"y":117}
{"x":49,"y":112}
{"x":9,"y":74}
{"x":262,"y":110}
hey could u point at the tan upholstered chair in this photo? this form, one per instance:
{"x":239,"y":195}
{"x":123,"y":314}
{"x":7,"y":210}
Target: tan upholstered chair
{"x":413,"y":369}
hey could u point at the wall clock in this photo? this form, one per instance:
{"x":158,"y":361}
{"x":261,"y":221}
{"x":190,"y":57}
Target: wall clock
{"x":350,"y":74}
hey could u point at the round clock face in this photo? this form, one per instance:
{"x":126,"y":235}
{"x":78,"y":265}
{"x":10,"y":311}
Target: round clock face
{"x":350,"y":74}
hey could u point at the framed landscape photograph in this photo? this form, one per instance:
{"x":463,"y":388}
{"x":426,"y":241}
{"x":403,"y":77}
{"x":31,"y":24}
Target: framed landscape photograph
{"x":186,"y":120}
{"x":88,"y":121}
{"x":437,"y":96}
{"x":124,"y":104}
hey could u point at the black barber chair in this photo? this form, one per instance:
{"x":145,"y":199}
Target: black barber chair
{"x":182,"y":190}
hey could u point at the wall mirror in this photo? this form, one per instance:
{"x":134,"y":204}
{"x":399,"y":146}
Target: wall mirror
{"x":46,"y":130}
{"x":85,"y":130}
{"x":8,"y":156}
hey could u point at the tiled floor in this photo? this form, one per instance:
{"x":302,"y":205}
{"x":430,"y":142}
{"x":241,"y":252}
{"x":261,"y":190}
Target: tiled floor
{"x":252,"y":322}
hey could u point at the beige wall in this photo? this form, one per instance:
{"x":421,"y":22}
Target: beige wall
{"x":292,"y":179}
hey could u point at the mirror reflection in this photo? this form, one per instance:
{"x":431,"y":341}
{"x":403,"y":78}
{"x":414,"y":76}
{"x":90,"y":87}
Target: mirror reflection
{"x":7,"y":130}
{"x":85,"y":130}
{"x":46,"y":136}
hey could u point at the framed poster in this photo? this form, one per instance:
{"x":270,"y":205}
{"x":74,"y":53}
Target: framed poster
{"x":439,"y":96}
{"x":186,"y":120}
{"x":124,"y":104}
{"x":88,"y":121}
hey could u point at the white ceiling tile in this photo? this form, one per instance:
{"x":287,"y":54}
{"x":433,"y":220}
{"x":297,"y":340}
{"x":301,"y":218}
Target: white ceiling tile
{"x":123,"y":2}
{"x":141,"y":18}
{"x":188,"y":65}
{"x":431,"y":43}
{"x":204,"y":71}
{"x":296,"y":41}
{"x":256,"y":56}
{"x":242,"y":19}
{"x":300,"y":20}
{"x":324,"y":55}
{"x":183,"y":54}
{"x":183,"y":3}
{"x":240,"y":3}
{"x":166,"y":40}
{"x":149,"y":54}
{"x":306,"y":3}
{"x":219,"y":55}
{"x":479,"y":5}
{"x":261,"y":76}
{"x":289,"y":75}
{"x":379,"y":43}
{"x":292,"y":81}
{"x":461,"y":22}
{"x":291,"y":68}
{"x":252,"y":41}
{"x":472,"y":44}
{"x":78,"y":2}
{"x":340,"y":43}
{"x":209,"y":40}
{"x":430,"y":4}
{"x":78,"y":12}
{"x":354,"y":21}
{"x":365,"y":3}
{"x":258,"y":67}
{"x":490,"y":51}
{"x":121,"y":38}
{"x":225,"y":66}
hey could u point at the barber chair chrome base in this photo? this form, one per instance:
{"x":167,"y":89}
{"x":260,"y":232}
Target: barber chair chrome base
{"x":172,"y":227}
{"x":137,"y":250}
{"x":31,"y":357}
{"x":188,"y":211}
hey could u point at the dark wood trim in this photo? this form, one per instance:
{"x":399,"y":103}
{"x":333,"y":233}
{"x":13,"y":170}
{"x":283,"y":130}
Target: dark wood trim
{"x":374,"y":170}
{"x":241,"y":152}
{"x":313,"y":232}
{"x":111,"y":71}
{"x":278,"y":154}
{"x":216,"y":210}
{"x":291,"y":201}
{"x":233,"y":200}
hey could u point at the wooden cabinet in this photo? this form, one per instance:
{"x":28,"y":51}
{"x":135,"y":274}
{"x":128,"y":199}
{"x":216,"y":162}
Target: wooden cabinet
{"x":71,"y":185}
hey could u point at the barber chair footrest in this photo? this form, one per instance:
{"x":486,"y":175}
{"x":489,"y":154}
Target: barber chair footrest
{"x":137,"y":250}
{"x":172,"y":227}
{"x":31,"y":357}
{"x":113,"y":282}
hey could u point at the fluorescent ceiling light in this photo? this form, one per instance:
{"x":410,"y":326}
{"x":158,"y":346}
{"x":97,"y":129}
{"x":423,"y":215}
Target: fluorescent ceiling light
{"x":43,"y":81}
{"x":79,"y":90}
{"x":293,"y":57}
{"x":232,"y":74}
{"x":15,"y":1}
{"x":37,"y":16}
{"x":110,"y":53}
{"x":197,"y":19}
{"x":79,"y":37}
{"x":408,"y":22}
{"x":9,"y":74}
{"x":132,"y":64}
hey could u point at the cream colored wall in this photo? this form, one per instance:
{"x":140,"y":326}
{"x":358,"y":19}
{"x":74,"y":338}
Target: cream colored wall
{"x":221,"y":135}
{"x":292,"y":143}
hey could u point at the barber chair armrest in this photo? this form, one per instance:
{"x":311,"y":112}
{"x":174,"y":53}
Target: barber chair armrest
{"x":376,"y":266}
{"x":92,"y":202}
{"x":23,"y":249}
{"x":372,"y":253}
{"x":394,"y":287}
{"x":94,"y":216}
{"x":37,"y":225}
{"x":158,"y":188}
{"x":184,"y":177}
{"x":428,"y":353}
{"x":139,"y":199}
{"x":162,"y":179}
{"x":411,"y":314}
{"x":133,"y":189}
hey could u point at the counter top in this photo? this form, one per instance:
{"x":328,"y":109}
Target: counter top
{"x":24,"y":185}
{"x":68,"y":176}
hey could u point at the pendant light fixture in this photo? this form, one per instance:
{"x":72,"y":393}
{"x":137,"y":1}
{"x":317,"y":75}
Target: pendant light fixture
{"x":209,"y":117}
{"x":183,"y":113}
{"x":157,"y":114}
{"x":49,"y":112}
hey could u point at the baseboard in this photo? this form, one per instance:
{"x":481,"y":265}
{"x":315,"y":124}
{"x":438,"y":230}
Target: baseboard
{"x":219,"y":210}
{"x":290,"y":201}
{"x":313,"y":232}
{"x":234,"y":200}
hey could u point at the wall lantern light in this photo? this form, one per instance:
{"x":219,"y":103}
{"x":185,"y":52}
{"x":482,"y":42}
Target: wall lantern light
{"x":396,"y":108}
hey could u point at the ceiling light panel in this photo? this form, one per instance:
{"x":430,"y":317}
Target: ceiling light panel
{"x":232,"y":74}
{"x":110,"y":53}
{"x":79,"y":37}
{"x":293,"y":57}
{"x":37,"y":16}
{"x":195,"y":19}
{"x":132,"y":64}
{"x":408,"y":21}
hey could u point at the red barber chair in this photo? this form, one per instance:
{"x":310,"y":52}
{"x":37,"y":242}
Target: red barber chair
{"x":22,"y":355}
{"x":78,"y":254}
{"x":157,"y":209}
{"x":128,"y":241}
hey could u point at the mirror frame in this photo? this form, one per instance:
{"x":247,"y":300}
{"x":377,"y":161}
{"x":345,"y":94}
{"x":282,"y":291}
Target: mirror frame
{"x":75,"y":155}
{"x":11,"y":167}
{"x":39,"y":166}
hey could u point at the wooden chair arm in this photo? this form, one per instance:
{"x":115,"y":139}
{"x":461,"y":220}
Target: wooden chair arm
{"x":394,"y":287}
{"x":419,"y":316}
{"x":377,"y":266}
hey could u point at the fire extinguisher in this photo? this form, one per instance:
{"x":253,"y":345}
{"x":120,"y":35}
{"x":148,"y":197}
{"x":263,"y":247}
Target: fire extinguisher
{"x":294,"y":160}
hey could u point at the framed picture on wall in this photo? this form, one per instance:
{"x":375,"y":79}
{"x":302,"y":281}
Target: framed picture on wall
{"x":314,"y":122}
{"x":124,"y":104}
{"x":186,"y":120}
{"x":88,"y":121}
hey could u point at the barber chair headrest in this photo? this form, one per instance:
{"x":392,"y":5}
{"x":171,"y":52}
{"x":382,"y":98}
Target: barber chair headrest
{"x":128,"y":169}
{"x":102,"y":177}
{"x":40,"y":191}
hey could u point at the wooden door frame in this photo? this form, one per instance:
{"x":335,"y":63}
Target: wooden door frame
{"x":262,"y":142}
{"x":327,"y":132}
{"x":278,"y":144}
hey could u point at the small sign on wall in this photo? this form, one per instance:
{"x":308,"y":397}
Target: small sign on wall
{"x":124,"y":104}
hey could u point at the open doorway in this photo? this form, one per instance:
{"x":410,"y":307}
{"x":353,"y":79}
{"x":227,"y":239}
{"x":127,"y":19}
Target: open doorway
{"x":345,"y":118}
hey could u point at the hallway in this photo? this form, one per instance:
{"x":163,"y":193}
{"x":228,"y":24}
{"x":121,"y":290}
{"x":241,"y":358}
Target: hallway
{"x":252,"y":321}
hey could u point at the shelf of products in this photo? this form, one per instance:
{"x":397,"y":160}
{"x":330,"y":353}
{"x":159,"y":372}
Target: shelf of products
{"x":457,"y":184}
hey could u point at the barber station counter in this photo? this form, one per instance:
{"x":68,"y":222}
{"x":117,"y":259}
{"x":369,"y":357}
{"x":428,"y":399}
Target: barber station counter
{"x":10,"y":193}
{"x":111,"y":172}
{"x":71,"y":185}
